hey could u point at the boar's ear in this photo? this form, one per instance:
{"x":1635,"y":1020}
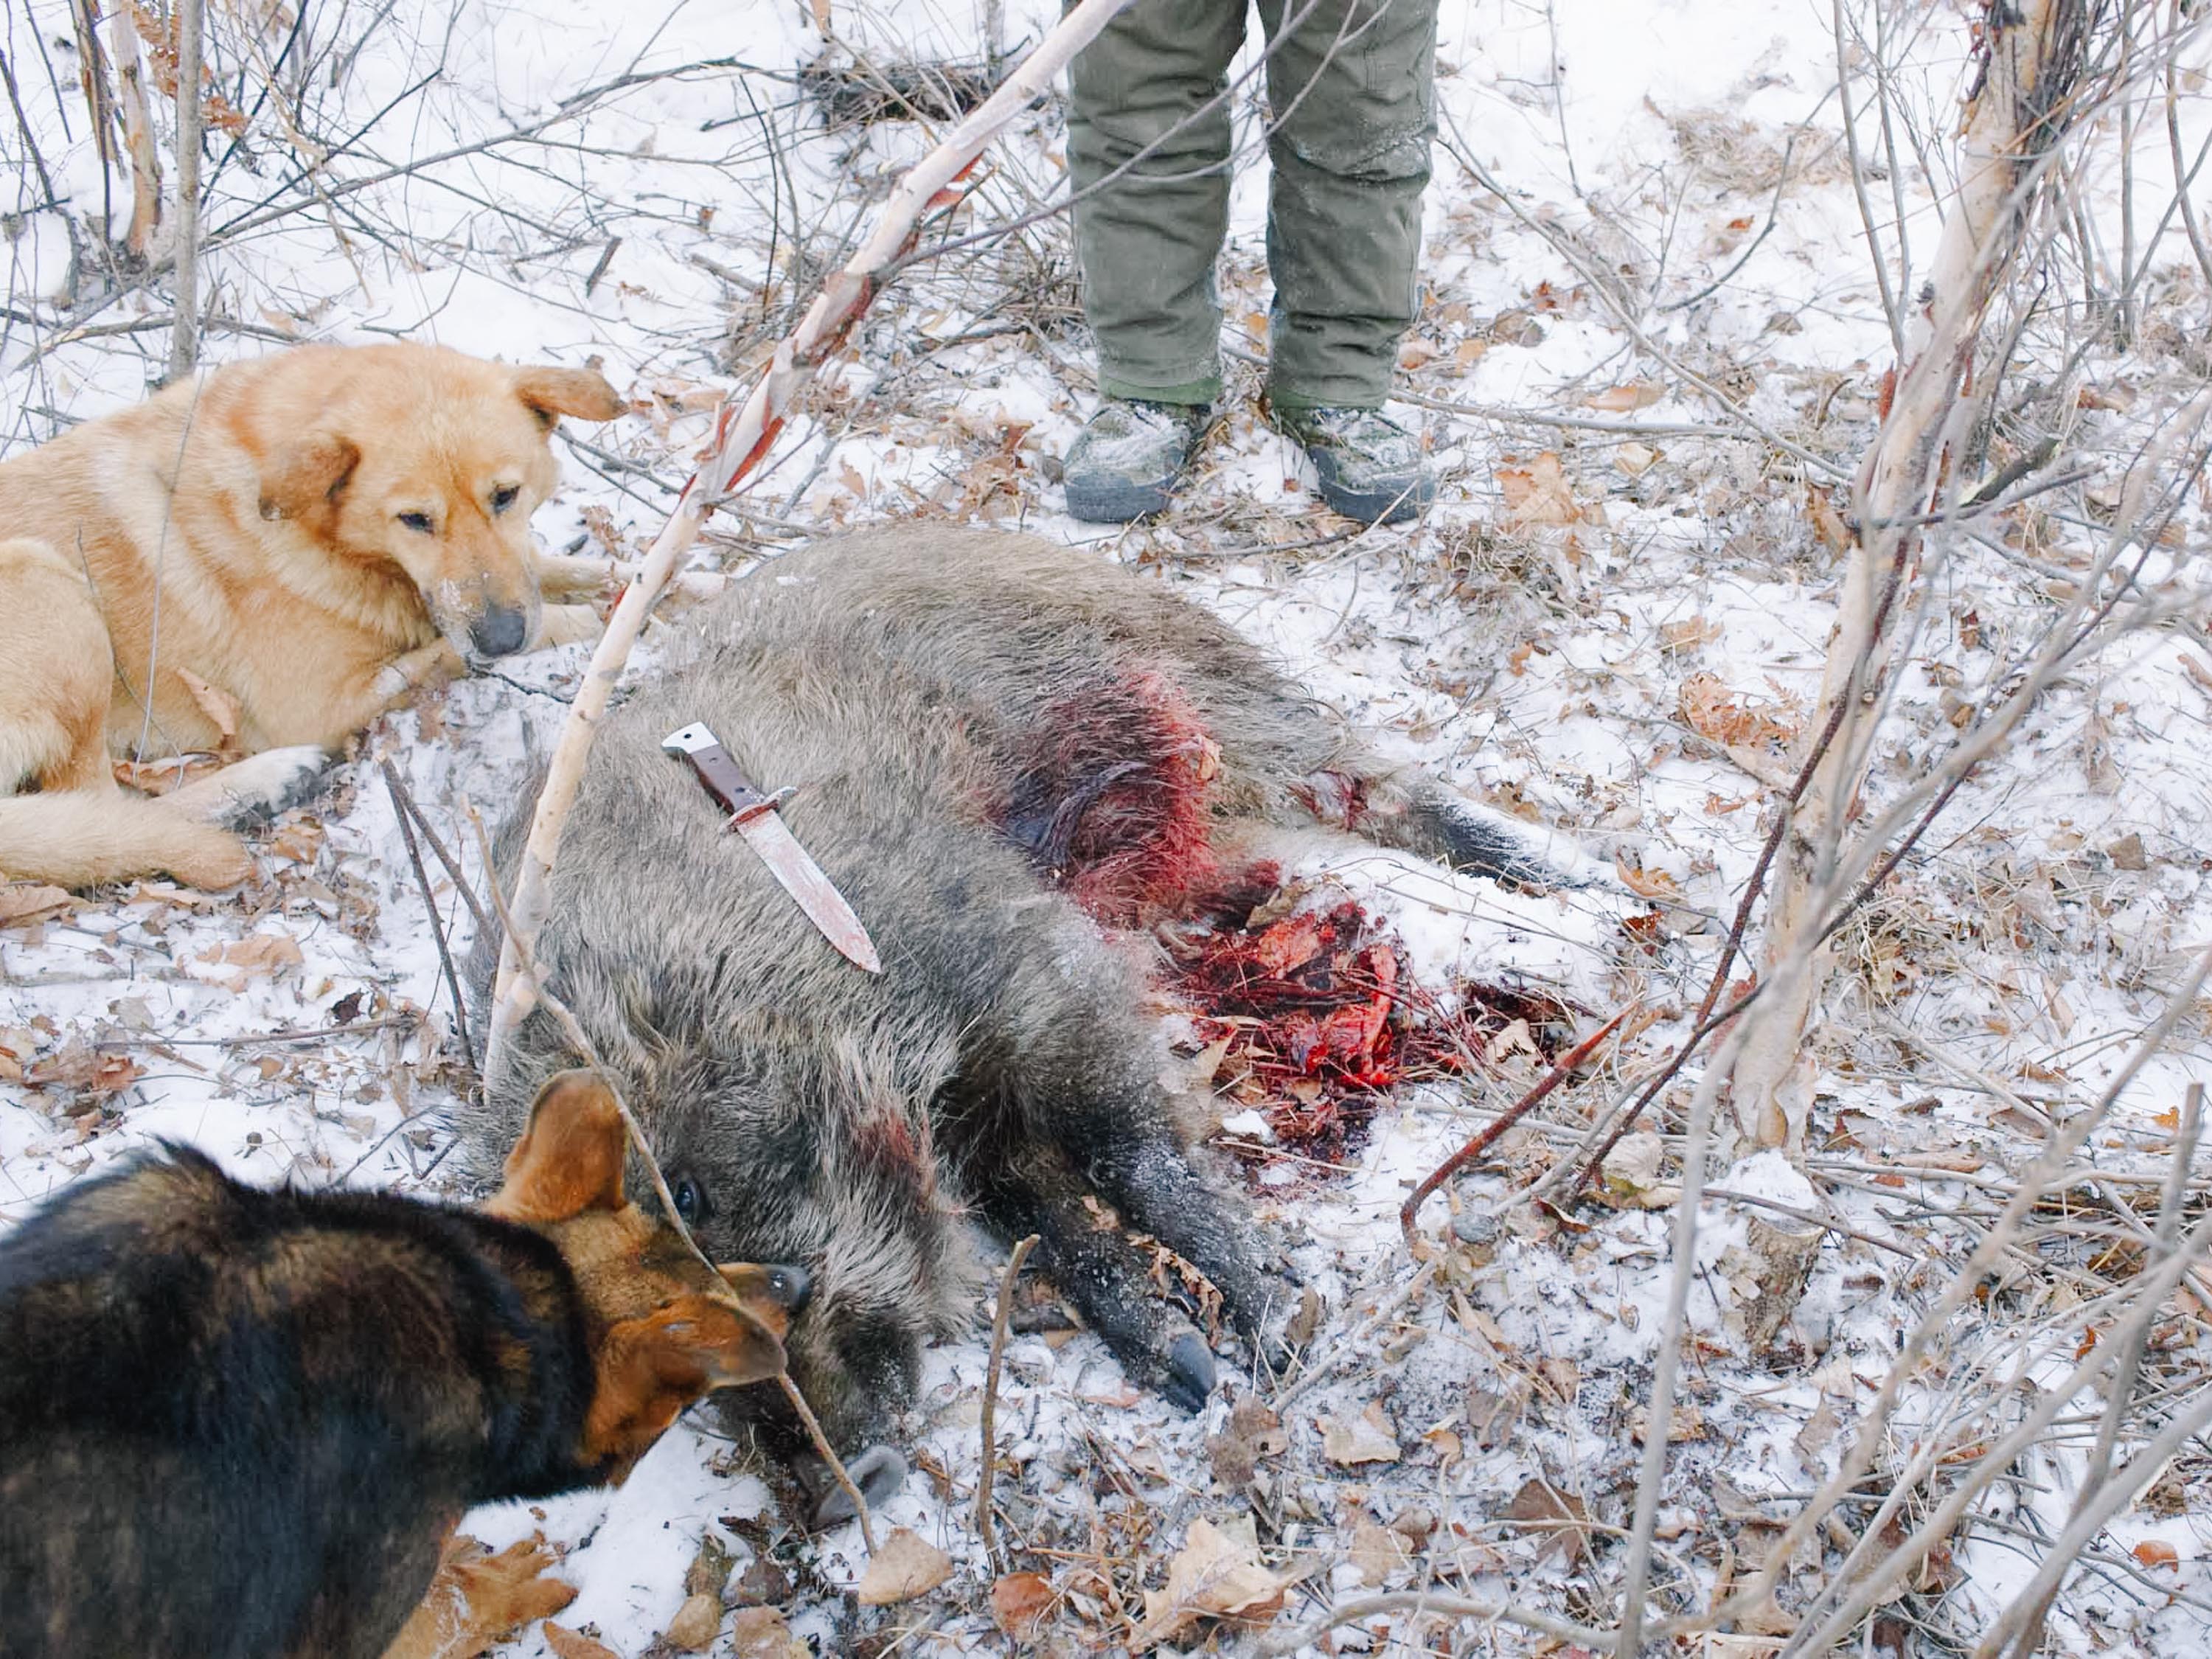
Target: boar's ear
{"x":549,"y":393}
{"x":570,"y":1158}
{"x":648,"y":1370}
{"x":303,"y":479}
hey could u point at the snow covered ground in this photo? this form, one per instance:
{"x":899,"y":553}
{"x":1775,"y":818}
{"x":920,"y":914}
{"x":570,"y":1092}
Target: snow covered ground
{"x":1647,"y":271}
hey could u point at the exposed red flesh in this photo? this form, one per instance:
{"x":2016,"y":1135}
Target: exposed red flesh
{"x":1314,"y":1020}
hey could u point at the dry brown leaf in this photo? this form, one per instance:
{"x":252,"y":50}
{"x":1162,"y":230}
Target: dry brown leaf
{"x":479,"y":1600}
{"x":697,"y":1624}
{"x":1561,"y":1517}
{"x":1212,"y":1576}
{"x":1633,"y":1173}
{"x":1539,"y":492}
{"x":574,"y":1645}
{"x":1368,"y":1438}
{"x":90,"y":1073}
{"x":1688,"y":634}
{"x":265,"y":954}
{"x":907,"y":1566}
{"x":1377,"y":1550}
{"x":1020,"y":1601}
{"x":2156,"y":1552}
{"x":1727,"y":718}
{"x":223,"y":711}
{"x":24,"y":901}
{"x":300,"y":840}
{"x":1624,"y":400}
{"x":1253,"y":1432}
{"x":760,"y":1633}
{"x":1827,"y":524}
{"x":1651,"y":883}
{"x":159,"y":777}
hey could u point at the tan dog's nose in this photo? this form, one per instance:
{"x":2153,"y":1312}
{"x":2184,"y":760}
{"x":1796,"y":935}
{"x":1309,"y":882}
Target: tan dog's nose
{"x":500,"y":632}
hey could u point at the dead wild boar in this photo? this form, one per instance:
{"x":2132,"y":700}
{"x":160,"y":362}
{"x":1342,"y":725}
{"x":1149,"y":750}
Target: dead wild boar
{"x":1009,"y":756}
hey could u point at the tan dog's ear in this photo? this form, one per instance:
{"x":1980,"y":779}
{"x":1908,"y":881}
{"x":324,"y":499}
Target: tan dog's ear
{"x":570,"y":1158}
{"x":304,"y":479}
{"x":550,"y":393}
{"x":650,"y":1368}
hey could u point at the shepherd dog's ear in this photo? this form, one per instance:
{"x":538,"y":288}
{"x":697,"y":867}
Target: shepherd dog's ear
{"x":650,"y":1368}
{"x":549,"y":393}
{"x":304,"y":479}
{"x":570,"y":1158}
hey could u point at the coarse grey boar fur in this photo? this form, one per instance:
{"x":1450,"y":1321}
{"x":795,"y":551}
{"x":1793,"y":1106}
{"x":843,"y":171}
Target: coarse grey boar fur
{"x":967,"y":718}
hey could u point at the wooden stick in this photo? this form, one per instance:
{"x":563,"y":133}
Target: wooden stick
{"x":830,"y":1456}
{"x":2020,"y":106}
{"x":742,"y":437}
{"x":984,"y":1529}
{"x":137,"y":133}
{"x":401,"y":806}
{"x":1486,"y":1137}
{"x":184,"y":340}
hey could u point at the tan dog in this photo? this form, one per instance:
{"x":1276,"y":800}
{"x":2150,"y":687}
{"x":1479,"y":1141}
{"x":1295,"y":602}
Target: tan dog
{"x":311,"y":535}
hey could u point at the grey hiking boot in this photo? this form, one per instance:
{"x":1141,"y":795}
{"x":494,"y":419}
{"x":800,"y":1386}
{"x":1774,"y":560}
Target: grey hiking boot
{"x":1370,"y":468}
{"x":1124,"y":464}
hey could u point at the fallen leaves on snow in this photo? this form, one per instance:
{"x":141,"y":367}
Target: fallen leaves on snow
{"x":907,"y":1566}
{"x":1212,"y":1576}
{"x":1369,"y":1437}
{"x":479,"y":1600}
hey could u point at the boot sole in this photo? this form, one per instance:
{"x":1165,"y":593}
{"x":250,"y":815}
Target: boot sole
{"x":1116,"y":500}
{"x":1378,"y":505}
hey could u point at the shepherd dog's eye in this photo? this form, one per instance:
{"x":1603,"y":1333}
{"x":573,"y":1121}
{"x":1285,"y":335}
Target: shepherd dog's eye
{"x":691,"y":1200}
{"x":503,"y":497}
{"x":418,"y":522}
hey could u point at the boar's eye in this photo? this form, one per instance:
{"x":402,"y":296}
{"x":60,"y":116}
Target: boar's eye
{"x":418,"y":522}
{"x":503,"y":497}
{"x":691,"y":1200}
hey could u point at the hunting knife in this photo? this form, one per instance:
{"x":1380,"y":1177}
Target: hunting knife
{"x":755,"y":817}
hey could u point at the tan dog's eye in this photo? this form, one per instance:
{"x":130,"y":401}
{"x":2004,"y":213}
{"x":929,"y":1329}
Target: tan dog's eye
{"x":418,"y":522}
{"x":503,"y":497}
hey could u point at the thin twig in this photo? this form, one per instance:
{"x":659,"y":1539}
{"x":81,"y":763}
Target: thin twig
{"x":401,"y":804}
{"x":984,"y":1528}
{"x":829,"y":1455}
{"x":1277,"y":1644}
{"x":2123,"y":1387}
{"x":1483,"y":1139}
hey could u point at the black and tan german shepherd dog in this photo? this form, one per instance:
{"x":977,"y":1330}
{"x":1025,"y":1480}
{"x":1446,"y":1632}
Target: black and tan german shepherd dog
{"x":237,"y":1423}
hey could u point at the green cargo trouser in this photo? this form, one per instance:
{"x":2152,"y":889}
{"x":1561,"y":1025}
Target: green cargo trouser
{"x":1352,"y":106}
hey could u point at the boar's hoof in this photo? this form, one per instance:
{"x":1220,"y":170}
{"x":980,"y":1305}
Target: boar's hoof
{"x":1187,"y":1374}
{"x":878,"y":1472}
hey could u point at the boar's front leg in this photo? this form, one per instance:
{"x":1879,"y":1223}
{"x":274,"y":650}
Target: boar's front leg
{"x":1085,"y":1254}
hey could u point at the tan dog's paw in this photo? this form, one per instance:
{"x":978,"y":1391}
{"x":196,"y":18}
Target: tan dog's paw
{"x":430,"y":664}
{"x":206,"y":857}
{"x":256,"y":789}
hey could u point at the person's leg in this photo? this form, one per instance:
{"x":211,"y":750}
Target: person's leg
{"x":1148,"y":242}
{"x":1351,"y":95}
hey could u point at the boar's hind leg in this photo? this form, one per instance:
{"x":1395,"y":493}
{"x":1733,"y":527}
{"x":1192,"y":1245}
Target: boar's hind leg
{"x":1404,"y":808}
{"x":1097,"y":1268}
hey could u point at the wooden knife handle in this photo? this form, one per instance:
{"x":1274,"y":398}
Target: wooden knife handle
{"x":718,"y":771}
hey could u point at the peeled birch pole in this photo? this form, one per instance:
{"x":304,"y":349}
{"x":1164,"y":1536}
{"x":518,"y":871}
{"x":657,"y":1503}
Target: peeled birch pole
{"x":743,"y":435}
{"x":2018,"y":110}
{"x":184,"y":334}
{"x":137,"y":132}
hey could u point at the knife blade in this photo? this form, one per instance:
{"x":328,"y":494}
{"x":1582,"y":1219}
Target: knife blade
{"x":755,"y":816}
